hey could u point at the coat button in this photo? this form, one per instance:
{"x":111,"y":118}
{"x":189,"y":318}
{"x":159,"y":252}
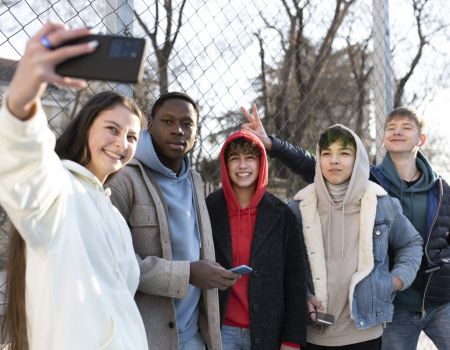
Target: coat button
{"x":171,"y":324}
{"x":377,"y":233}
{"x":258,"y":341}
{"x":255,"y":308}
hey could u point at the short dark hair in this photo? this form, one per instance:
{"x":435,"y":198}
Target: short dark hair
{"x":333,"y":134}
{"x":173,"y":95}
{"x":409,"y":113}
{"x":73,"y":142}
{"x":242,"y":145}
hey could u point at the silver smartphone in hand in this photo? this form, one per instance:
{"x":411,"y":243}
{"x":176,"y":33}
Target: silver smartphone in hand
{"x":324,"y":318}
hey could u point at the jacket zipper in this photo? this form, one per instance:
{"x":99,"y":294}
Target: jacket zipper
{"x":426,"y":245}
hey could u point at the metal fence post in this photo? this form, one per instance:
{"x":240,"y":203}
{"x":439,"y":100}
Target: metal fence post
{"x":120,"y":22}
{"x":382,"y":73}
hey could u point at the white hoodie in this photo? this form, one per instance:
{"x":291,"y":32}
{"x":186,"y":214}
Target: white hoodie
{"x":81,"y":269}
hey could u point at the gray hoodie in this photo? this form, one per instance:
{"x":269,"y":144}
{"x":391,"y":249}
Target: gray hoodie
{"x":183,"y":225}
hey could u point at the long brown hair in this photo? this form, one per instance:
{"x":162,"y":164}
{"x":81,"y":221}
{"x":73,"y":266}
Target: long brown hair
{"x":72,"y":145}
{"x":14,"y":328}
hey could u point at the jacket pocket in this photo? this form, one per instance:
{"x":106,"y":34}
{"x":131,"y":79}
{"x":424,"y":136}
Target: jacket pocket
{"x":143,"y":215}
{"x":145,"y":230}
{"x":380,"y":241}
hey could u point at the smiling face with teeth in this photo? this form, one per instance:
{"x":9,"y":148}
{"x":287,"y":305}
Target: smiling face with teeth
{"x":112,"y":141}
{"x":243,"y":163}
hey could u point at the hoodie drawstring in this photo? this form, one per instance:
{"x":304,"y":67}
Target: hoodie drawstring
{"x":342,"y":231}
{"x":238,"y":237}
{"x":328,"y":233}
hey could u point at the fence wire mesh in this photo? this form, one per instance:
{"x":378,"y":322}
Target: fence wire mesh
{"x":306,"y":64}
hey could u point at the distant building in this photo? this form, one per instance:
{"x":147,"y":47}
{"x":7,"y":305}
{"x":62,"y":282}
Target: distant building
{"x":57,"y":103}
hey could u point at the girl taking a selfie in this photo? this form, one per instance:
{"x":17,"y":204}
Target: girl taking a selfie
{"x":72,"y":271}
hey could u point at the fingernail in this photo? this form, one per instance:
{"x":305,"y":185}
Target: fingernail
{"x":93,"y":44}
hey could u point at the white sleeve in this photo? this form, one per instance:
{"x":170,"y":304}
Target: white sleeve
{"x":31,"y":175}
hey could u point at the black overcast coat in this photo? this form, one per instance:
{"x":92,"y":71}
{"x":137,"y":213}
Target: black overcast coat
{"x":277,"y":287}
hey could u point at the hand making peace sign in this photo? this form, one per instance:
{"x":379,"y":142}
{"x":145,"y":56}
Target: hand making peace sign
{"x":256,"y":127}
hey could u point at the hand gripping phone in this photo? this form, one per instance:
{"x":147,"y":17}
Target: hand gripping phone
{"x":117,"y":58}
{"x":324,"y":318}
{"x":241,"y":269}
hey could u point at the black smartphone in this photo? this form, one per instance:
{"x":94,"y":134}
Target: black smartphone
{"x":324,"y":318}
{"x":117,"y":58}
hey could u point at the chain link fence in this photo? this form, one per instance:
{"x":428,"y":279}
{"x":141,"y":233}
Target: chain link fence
{"x":306,"y":64}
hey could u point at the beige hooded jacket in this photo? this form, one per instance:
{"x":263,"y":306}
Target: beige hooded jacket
{"x":340,"y":224}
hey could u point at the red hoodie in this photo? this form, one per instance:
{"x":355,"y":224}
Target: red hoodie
{"x":242,"y":225}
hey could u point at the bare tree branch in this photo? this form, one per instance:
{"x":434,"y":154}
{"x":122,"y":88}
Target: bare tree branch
{"x":280,"y":33}
{"x":163,"y":52}
{"x":180,"y":22}
{"x":263,"y":73}
{"x":418,"y":7}
{"x":361,"y":76}
{"x":298,"y":57}
{"x":340,"y":12}
{"x":287,"y":8}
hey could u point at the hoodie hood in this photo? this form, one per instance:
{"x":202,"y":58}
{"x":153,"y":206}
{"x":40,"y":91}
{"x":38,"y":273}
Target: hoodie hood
{"x":261,"y":186}
{"x":413,"y":198}
{"x":146,"y":154}
{"x":82,"y":172}
{"x":423,"y":184}
{"x":358,"y":183}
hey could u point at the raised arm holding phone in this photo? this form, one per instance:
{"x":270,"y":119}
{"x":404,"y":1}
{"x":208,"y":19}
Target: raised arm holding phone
{"x":72,"y":271}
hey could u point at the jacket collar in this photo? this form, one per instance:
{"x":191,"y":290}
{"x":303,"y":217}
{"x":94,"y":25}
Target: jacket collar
{"x":263,"y":227}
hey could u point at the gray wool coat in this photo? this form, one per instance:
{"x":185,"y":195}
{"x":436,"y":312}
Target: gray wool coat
{"x":136,"y":194}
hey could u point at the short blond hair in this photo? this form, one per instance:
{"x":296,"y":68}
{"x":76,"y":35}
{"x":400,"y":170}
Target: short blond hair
{"x":409,"y":113}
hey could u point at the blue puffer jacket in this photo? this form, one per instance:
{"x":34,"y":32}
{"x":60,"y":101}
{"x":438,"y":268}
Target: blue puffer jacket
{"x":436,"y":245}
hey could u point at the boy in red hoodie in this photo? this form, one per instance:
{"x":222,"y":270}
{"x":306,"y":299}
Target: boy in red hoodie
{"x":264,"y":309}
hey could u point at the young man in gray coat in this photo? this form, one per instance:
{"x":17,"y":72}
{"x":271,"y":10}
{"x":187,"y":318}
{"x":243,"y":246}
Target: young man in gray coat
{"x":162,"y":199}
